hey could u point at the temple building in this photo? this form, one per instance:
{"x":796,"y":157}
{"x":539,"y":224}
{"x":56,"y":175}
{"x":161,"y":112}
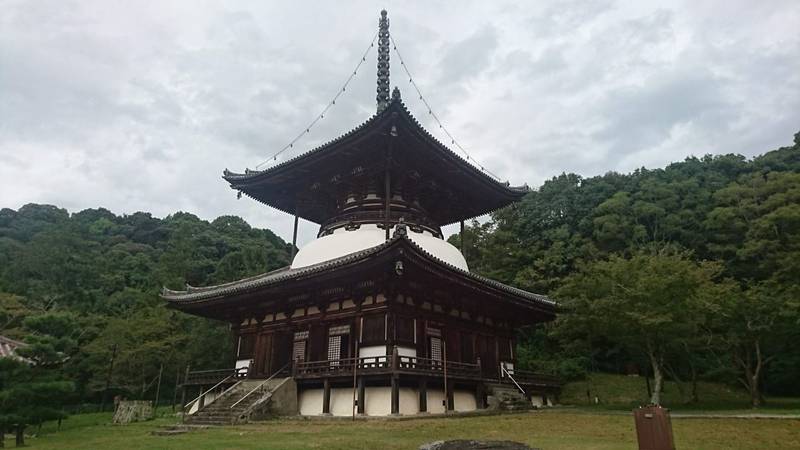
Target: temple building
{"x":379,"y":314}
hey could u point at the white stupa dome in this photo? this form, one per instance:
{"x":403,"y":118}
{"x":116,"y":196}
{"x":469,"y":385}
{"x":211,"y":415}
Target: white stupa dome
{"x":343,"y":242}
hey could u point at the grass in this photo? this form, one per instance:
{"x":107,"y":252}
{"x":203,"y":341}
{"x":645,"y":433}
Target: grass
{"x":622,"y":392}
{"x":557,"y":429}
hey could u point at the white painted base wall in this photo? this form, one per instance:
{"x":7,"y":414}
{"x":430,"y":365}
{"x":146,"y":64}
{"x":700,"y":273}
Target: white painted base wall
{"x":379,"y":401}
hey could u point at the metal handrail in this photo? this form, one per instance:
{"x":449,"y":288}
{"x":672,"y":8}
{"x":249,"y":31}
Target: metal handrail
{"x":188,"y":405}
{"x":261,"y":384}
{"x":503,"y":367}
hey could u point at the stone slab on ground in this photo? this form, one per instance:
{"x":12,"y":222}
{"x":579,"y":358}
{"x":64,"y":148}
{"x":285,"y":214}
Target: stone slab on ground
{"x":474,"y":445}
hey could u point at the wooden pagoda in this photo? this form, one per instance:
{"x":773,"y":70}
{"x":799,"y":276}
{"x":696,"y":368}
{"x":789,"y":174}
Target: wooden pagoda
{"x":378,"y":315}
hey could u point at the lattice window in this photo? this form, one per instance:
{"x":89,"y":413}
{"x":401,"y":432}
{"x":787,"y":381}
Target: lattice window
{"x":299,"y":351}
{"x":334,"y":349}
{"x":436,"y":348}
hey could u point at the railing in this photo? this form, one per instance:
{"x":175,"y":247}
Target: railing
{"x":261,"y":385}
{"x":372,"y":364}
{"x":341,"y":366}
{"x":505,"y":371}
{"x":213,"y":376}
{"x":188,"y":406}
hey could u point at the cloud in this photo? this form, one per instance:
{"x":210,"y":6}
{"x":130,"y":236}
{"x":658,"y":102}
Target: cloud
{"x":140,"y":106}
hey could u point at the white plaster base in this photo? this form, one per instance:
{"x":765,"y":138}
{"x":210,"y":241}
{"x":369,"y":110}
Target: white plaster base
{"x":378,"y":401}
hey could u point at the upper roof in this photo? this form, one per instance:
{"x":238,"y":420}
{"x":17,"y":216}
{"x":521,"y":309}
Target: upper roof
{"x":446,"y":186}
{"x":194,"y":299}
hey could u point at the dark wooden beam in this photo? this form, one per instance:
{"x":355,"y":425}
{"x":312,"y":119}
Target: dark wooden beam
{"x":326,"y":397}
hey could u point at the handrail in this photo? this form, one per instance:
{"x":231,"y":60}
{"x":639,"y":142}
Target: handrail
{"x":188,"y":405}
{"x":261,"y":384}
{"x":503,"y":367}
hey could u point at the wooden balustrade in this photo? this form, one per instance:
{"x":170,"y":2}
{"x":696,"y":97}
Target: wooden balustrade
{"x":379,"y":364}
{"x":527,"y":377}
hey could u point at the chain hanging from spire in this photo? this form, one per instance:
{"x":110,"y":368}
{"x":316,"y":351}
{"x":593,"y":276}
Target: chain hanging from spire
{"x":383,"y":62}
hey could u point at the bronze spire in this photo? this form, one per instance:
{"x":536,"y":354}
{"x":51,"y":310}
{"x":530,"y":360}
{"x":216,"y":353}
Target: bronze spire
{"x":383,"y":62}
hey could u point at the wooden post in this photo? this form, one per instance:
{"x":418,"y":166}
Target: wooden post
{"x":461,"y":237}
{"x":444,"y":373}
{"x":479,"y":391}
{"x":387,"y":201}
{"x":423,"y":395}
{"x":158,"y":389}
{"x":20,"y":435}
{"x":183,"y":393}
{"x":395,"y":395}
{"x":202,"y":401}
{"x":326,"y":397}
{"x":175,"y":391}
{"x":362,"y":405}
{"x":355,"y":372}
{"x":294,"y":237}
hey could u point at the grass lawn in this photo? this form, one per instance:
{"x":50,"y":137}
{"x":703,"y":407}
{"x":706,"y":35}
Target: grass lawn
{"x":552,"y":429}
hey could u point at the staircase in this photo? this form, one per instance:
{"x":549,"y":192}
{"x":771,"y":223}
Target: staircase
{"x":507,"y":397}
{"x":236,"y":406}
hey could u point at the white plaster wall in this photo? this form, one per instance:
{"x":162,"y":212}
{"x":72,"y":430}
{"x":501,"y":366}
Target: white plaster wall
{"x":373,"y":350}
{"x":464,"y":401}
{"x":536,"y":400}
{"x":341,"y":402}
{"x":406,"y":351}
{"x":310,"y":402}
{"x":243,"y":363}
{"x":409,"y":401}
{"x":343,"y":242}
{"x":435,"y":401}
{"x":379,"y":401}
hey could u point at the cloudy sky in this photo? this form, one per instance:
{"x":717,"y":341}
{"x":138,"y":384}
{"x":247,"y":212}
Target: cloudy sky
{"x":140,"y":105}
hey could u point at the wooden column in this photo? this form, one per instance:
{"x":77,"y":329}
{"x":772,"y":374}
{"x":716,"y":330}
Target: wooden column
{"x":461,"y":237}
{"x":388,"y":199}
{"x":423,"y":395}
{"x":479,"y":393}
{"x":395,"y":395}
{"x":362,"y":402}
{"x":202,"y":400}
{"x":294,"y":238}
{"x":326,"y":397}
{"x":450,"y":400}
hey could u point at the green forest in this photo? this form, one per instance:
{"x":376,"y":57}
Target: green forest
{"x":685,"y":273}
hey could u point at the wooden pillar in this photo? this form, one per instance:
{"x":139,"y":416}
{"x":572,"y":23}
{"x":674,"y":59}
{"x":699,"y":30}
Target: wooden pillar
{"x":423,"y":395}
{"x":479,"y":396}
{"x":326,"y":397}
{"x":450,"y":400}
{"x":461,"y":237}
{"x":395,"y":395}
{"x":294,"y":238}
{"x":362,"y":401}
{"x":388,"y":199}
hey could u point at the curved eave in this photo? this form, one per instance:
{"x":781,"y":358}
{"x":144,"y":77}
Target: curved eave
{"x":243,"y":181}
{"x":213,"y":294}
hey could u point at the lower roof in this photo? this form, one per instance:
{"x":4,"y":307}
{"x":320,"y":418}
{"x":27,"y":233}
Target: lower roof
{"x":193,"y":299}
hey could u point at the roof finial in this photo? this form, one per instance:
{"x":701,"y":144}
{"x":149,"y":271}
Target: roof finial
{"x":383,"y":62}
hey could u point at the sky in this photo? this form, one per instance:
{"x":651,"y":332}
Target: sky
{"x":140,"y":105}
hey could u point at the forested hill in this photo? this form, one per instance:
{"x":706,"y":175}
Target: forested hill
{"x":77,"y":285}
{"x":691,"y":270}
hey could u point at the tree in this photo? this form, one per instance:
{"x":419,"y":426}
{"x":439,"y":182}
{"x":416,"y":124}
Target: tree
{"x":645,"y":303}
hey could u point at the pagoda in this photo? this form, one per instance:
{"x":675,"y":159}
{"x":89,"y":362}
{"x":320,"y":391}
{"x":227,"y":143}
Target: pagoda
{"x":379,"y":314}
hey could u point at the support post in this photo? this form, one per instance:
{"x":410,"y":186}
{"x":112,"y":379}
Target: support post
{"x":388,"y":199}
{"x":202,"y":401}
{"x":479,"y":395}
{"x":294,"y":237}
{"x":361,"y":397}
{"x":395,"y":395}
{"x":158,"y":389}
{"x":423,"y":395}
{"x":461,"y":237}
{"x":326,"y":397}
{"x":183,"y":393}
